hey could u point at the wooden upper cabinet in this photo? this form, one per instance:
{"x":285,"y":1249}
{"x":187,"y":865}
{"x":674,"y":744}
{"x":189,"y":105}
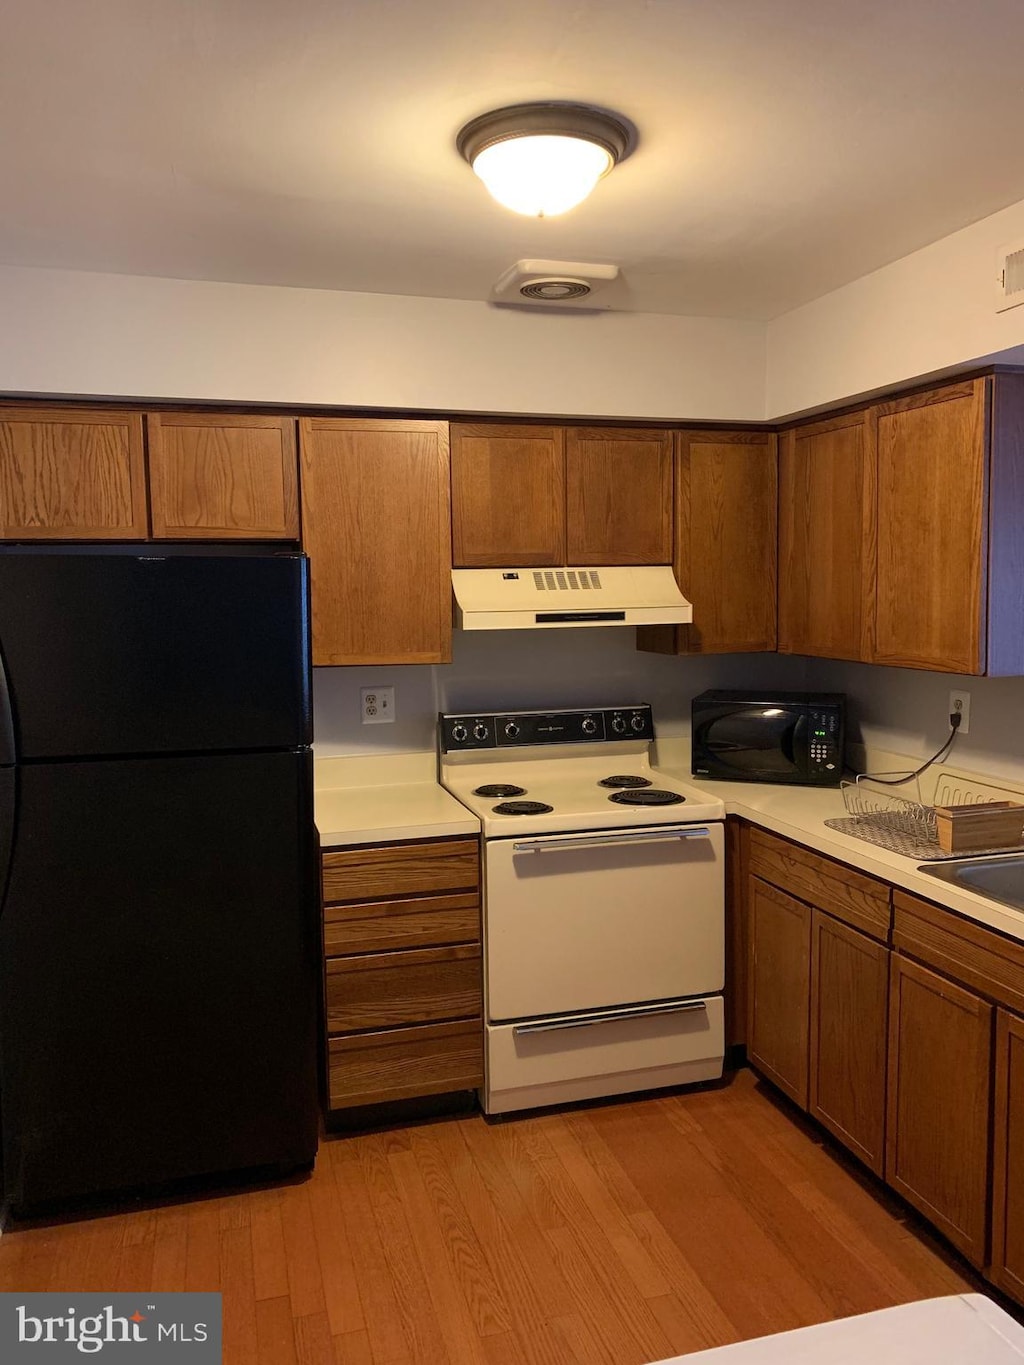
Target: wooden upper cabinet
{"x":827,"y":538}
{"x":932,"y":529}
{"x":726,"y":495}
{"x":508,"y":495}
{"x":71,"y":474}
{"x":376,"y":526}
{"x":618,"y":496}
{"x":219,"y":477}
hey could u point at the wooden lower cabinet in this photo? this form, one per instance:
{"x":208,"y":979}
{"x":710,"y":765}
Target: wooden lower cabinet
{"x":402,"y":971}
{"x":849,"y":1006}
{"x":939,"y":1103}
{"x":1007,"y":1268}
{"x":779,"y":988}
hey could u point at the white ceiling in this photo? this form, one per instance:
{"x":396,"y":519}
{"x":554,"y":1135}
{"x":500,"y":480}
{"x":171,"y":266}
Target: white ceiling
{"x":786,"y":146}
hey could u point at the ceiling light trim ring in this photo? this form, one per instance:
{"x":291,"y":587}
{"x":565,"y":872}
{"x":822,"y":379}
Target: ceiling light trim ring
{"x":550,"y":118}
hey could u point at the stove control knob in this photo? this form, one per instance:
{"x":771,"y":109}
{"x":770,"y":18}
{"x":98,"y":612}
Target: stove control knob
{"x":637,"y":723}
{"x":619,"y":724}
{"x":459,"y":733}
{"x":589,"y":725}
{"x":480,"y":730}
{"x":511,"y":729}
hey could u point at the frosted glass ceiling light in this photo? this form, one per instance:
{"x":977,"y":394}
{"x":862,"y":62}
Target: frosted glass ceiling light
{"x":542,"y":159}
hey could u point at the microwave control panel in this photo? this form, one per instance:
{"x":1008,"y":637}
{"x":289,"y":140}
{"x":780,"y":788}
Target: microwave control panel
{"x":825,"y":743}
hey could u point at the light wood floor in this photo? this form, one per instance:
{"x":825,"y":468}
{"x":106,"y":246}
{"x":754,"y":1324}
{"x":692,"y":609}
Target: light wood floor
{"x":620,"y":1233}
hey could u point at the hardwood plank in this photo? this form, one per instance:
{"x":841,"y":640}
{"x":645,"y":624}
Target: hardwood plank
{"x":415,"y":1310}
{"x":440,"y":1181}
{"x":335,"y":1253}
{"x":353,"y":1348}
{"x":512,"y":1241}
{"x":202,"y":1256}
{"x":269,"y":1257}
{"x":377,"y":1291}
{"x":170,"y":1249}
{"x":275,"y":1336}
{"x":239,"y":1298}
{"x":314,"y":1344}
{"x":305,"y":1278}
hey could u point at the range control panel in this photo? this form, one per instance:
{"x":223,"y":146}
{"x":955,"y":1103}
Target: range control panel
{"x":513,"y":729}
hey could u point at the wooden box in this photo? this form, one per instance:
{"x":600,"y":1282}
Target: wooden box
{"x":989,"y":824}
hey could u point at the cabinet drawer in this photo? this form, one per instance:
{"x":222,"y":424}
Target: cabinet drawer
{"x":857,"y":900}
{"x":358,"y":874}
{"x":977,"y":956}
{"x":396,"y":1064}
{"x":381,"y":990}
{"x":422,"y":922}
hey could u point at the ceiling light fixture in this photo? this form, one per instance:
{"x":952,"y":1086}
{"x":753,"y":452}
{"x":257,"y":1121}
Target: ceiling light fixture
{"x":543,"y":159}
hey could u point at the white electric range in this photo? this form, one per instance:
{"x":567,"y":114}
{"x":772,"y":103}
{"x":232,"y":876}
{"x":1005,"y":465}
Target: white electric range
{"x":603,"y":922}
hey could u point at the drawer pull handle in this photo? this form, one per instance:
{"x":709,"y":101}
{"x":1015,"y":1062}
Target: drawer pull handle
{"x":606,"y":1016}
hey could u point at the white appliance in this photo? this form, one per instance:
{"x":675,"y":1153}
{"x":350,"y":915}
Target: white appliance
{"x":531,"y":599}
{"x":603,"y":919}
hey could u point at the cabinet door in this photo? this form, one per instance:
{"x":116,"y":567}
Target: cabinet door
{"x":932,"y":498}
{"x":508,"y":495}
{"x":827,"y":538}
{"x":849,"y":1018}
{"x":726,"y":499}
{"x":217,"y":477}
{"x":779,"y":987}
{"x":618,"y":496}
{"x":376,"y":526}
{"x":937,"y":1117}
{"x":1008,"y":1173}
{"x":71,"y":474}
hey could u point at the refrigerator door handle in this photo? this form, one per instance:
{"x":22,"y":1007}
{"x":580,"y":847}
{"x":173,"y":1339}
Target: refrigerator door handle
{"x":7,"y":754}
{"x":8,"y":805}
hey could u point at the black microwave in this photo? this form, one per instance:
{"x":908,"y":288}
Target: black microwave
{"x":792,"y":737}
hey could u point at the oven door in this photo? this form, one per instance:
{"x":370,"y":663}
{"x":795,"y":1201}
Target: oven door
{"x":583,"y":921}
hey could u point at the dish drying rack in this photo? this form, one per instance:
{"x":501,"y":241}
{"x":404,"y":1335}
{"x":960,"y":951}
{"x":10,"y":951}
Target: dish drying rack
{"x":905,"y":824}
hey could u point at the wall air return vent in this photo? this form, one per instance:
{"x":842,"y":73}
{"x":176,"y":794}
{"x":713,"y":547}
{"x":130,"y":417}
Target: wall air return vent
{"x":1010,"y":277}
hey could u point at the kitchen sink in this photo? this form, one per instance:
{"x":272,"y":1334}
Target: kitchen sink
{"x":1001,"y":878}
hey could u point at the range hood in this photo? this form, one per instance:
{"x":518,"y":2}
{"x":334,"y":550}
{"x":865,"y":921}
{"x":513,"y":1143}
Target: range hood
{"x":531,"y":599}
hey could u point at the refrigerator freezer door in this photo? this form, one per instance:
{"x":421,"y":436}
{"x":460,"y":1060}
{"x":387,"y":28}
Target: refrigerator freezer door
{"x":159,"y":981}
{"x":118,"y":654}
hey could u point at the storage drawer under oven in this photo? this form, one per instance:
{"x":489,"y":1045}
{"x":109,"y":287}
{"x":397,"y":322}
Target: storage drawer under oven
{"x":585,"y":921}
{"x":558,"y":1061}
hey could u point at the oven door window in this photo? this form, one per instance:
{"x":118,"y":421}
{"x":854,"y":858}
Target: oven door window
{"x":577,"y":922}
{"x":761,"y":741}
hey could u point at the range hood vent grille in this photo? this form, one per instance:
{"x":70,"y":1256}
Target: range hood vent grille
{"x":566,"y":580}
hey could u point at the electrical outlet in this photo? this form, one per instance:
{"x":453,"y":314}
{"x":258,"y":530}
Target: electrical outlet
{"x":960,"y":703}
{"x":378,"y":705}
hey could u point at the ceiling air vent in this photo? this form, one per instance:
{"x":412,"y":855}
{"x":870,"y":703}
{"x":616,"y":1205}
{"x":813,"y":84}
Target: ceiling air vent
{"x":1010,"y":278}
{"x":554,"y":283}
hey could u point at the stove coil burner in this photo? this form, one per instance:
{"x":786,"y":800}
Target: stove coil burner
{"x":625,"y":781}
{"x":522,"y":808}
{"x":652,"y":797}
{"x":499,"y":790}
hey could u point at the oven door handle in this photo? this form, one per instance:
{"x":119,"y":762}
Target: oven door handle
{"x":610,"y":841}
{"x":610,"y":1016}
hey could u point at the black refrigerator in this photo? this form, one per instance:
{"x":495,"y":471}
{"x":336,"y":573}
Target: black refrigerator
{"x":159,"y":938}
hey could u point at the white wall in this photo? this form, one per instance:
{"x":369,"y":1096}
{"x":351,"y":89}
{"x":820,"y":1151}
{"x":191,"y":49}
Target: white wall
{"x":66,"y":332}
{"x":929,"y":312}
{"x":529,"y":668}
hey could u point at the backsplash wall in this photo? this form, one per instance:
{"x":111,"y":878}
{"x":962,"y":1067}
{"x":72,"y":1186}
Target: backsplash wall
{"x":504,"y":670}
{"x":905,"y":710}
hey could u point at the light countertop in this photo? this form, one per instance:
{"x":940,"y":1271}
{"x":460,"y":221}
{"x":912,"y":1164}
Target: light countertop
{"x":371,"y":800}
{"x":364,"y":800}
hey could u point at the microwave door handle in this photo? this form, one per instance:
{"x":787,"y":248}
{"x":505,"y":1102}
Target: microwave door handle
{"x":790,"y":735}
